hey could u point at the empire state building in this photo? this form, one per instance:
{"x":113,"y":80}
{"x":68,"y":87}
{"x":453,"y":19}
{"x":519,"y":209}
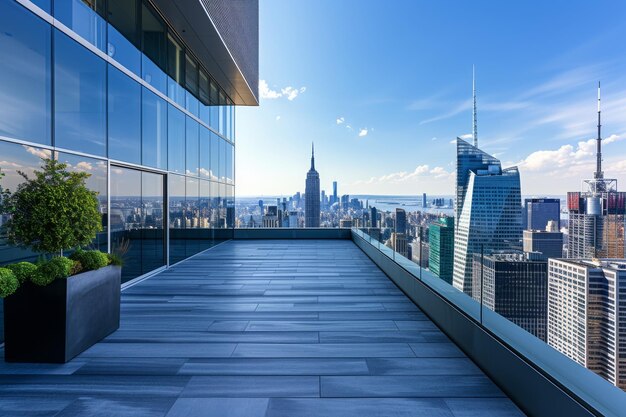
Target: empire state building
{"x":312,"y":195}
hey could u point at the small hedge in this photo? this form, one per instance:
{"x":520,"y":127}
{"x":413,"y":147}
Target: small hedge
{"x":56,"y":268}
{"x":23,"y":271}
{"x":91,"y":259}
{"x":8,"y":282}
{"x":115,"y":259}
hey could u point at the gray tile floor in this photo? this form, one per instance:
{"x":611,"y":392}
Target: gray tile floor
{"x":263,"y":328}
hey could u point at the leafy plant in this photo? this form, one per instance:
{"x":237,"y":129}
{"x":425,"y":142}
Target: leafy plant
{"x":22,"y":270}
{"x":77,"y":268}
{"x":91,"y":259}
{"x":115,"y":259}
{"x":53,"y":211}
{"x":58,"y":267}
{"x":8,"y":283}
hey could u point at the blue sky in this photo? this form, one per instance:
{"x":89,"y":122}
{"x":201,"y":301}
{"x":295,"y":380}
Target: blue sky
{"x":384,"y":88}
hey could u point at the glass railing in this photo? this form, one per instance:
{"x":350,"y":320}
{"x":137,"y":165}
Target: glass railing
{"x":591,"y":388}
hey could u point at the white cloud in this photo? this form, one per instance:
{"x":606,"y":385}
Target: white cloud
{"x":277,"y":118}
{"x":340,"y":120}
{"x":465,"y":137}
{"x":565,"y":157}
{"x":420,"y":172}
{"x":290,"y":93}
{"x":40,"y":153}
{"x":84,"y":166}
{"x":363,"y":132}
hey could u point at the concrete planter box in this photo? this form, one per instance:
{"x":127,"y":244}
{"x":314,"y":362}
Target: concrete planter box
{"x":57,"y":322}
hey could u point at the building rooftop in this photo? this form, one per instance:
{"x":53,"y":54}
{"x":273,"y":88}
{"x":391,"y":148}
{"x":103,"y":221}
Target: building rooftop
{"x":263,"y":328}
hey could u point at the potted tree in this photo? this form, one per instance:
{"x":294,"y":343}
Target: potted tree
{"x":57,"y":308}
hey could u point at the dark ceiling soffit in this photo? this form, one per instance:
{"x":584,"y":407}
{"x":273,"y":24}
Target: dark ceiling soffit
{"x":192,"y":23}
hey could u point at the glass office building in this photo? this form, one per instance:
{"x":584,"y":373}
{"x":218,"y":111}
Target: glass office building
{"x":141,"y":95}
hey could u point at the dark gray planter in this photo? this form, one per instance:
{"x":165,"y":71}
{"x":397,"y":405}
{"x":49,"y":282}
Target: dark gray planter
{"x":57,"y":322}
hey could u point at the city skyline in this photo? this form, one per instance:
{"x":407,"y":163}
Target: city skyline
{"x":535,"y":102}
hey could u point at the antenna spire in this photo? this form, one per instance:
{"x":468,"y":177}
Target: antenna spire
{"x":312,"y":156}
{"x":599,"y":174}
{"x":475,"y":123}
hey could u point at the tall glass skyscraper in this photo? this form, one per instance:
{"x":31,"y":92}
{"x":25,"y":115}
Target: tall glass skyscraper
{"x":312,"y":195}
{"x":539,"y":211}
{"x":489,"y":209}
{"x":441,"y":253}
{"x":140,"y":94}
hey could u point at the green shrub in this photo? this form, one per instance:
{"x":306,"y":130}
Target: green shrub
{"x":56,"y":268}
{"x":8,"y":282}
{"x":77,"y":268}
{"x":52,"y":211}
{"x":22,"y":270}
{"x":90,"y":259}
{"x":115,"y":259}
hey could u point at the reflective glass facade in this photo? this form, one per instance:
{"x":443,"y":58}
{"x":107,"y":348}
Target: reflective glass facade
{"x":111,"y":90}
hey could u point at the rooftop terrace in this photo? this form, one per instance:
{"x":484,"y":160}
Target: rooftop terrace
{"x":263,"y":328}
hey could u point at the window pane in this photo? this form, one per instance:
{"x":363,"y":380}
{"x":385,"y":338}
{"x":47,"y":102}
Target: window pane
{"x":215,"y":160}
{"x":126,"y":219}
{"x":25,"y":84}
{"x":192,"y":104}
{"x":17,"y":158}
{"x":222,"y":163}
{"x":123,"y":51}
{"x":97,"y":181}
{"x":176,"y":140}
{"x":80,"y":98}
{"x":204,"y":96}
{"x":153,"y":75}
{"x":152,"y":231}
{"x":124,"y":104}
{"x":45,"y":5}
{"x":191,"y":74}
{"x":204,"y":204}
{"x":176,"y":189}
{"x":153,"y":32}
{"x":175,"y":70}
{"x":230,"y":206}
{"x":214,"y":205}
{"x":154,"y":130}
{"x":214,"y":110}
{"x":230,"y":179}
{"x":124,"y":16}
{"x":84,"y":18}
{"x":221,"y":114}
{"x":124,"y":33}
{"x":205,"y":152}
{"x":193,"y":238}
{"x":192,"y":160}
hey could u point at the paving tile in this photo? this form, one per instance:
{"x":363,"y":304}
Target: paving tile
{"x":483,"y":407}
{"x":326,"y":350}
{"x":274,"y":366}
{"x":219,"y":407}
{"x":124,"y":407}
{"x":362,"y":407}
{"x":426,"y":386}
{"x":252,"y":386}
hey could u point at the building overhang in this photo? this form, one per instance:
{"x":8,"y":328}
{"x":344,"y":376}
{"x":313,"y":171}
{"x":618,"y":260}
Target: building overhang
{"x":192,"y":22}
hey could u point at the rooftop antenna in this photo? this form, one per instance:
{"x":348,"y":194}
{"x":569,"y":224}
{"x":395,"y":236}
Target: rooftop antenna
{"x":475,"y":123}
{"x":312,"y":156}
{"x":598,"y":175}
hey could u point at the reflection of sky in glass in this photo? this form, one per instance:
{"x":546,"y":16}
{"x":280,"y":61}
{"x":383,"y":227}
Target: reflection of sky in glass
{"x":97,"y":169}
{"x":14,"y":158}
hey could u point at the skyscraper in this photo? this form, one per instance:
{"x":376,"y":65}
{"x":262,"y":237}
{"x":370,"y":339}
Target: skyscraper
{"x":334,"y":193}
{"x":374,"y":217}
{"x":400,"y":221}
{"x":489,"y":209}
{"x":586,"y":310}
{"x":539,"y":211}
{"x":424,"y":201}
{"x":548,"y":244}
{"x":596,"y":215}
{"x":515,"y":285}
{"x":441,"y":255}
{"x":312,"y":195}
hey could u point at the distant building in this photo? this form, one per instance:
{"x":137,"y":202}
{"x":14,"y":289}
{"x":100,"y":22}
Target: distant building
{"x":515,"y":285}
{"x":488,"y":211}
{"x":399,"y":243}
{"x":597,"y":215}
{"x":374,"y":217}
{"x":586,"y":314}
{"x":549,"y":244}
{"x":312,"y":195}
{"x":539,"y":211}
{"x":400,"y":221}
{"x":271,"y":218}
{"x":424,"y":200}
{"x":345,"y":223}
{"x":441,"y":241}
{"x":420,"y":253}
{"x":334,"y":197}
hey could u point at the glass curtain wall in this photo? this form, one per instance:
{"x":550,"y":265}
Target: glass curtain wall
{"x":59,"y":98}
